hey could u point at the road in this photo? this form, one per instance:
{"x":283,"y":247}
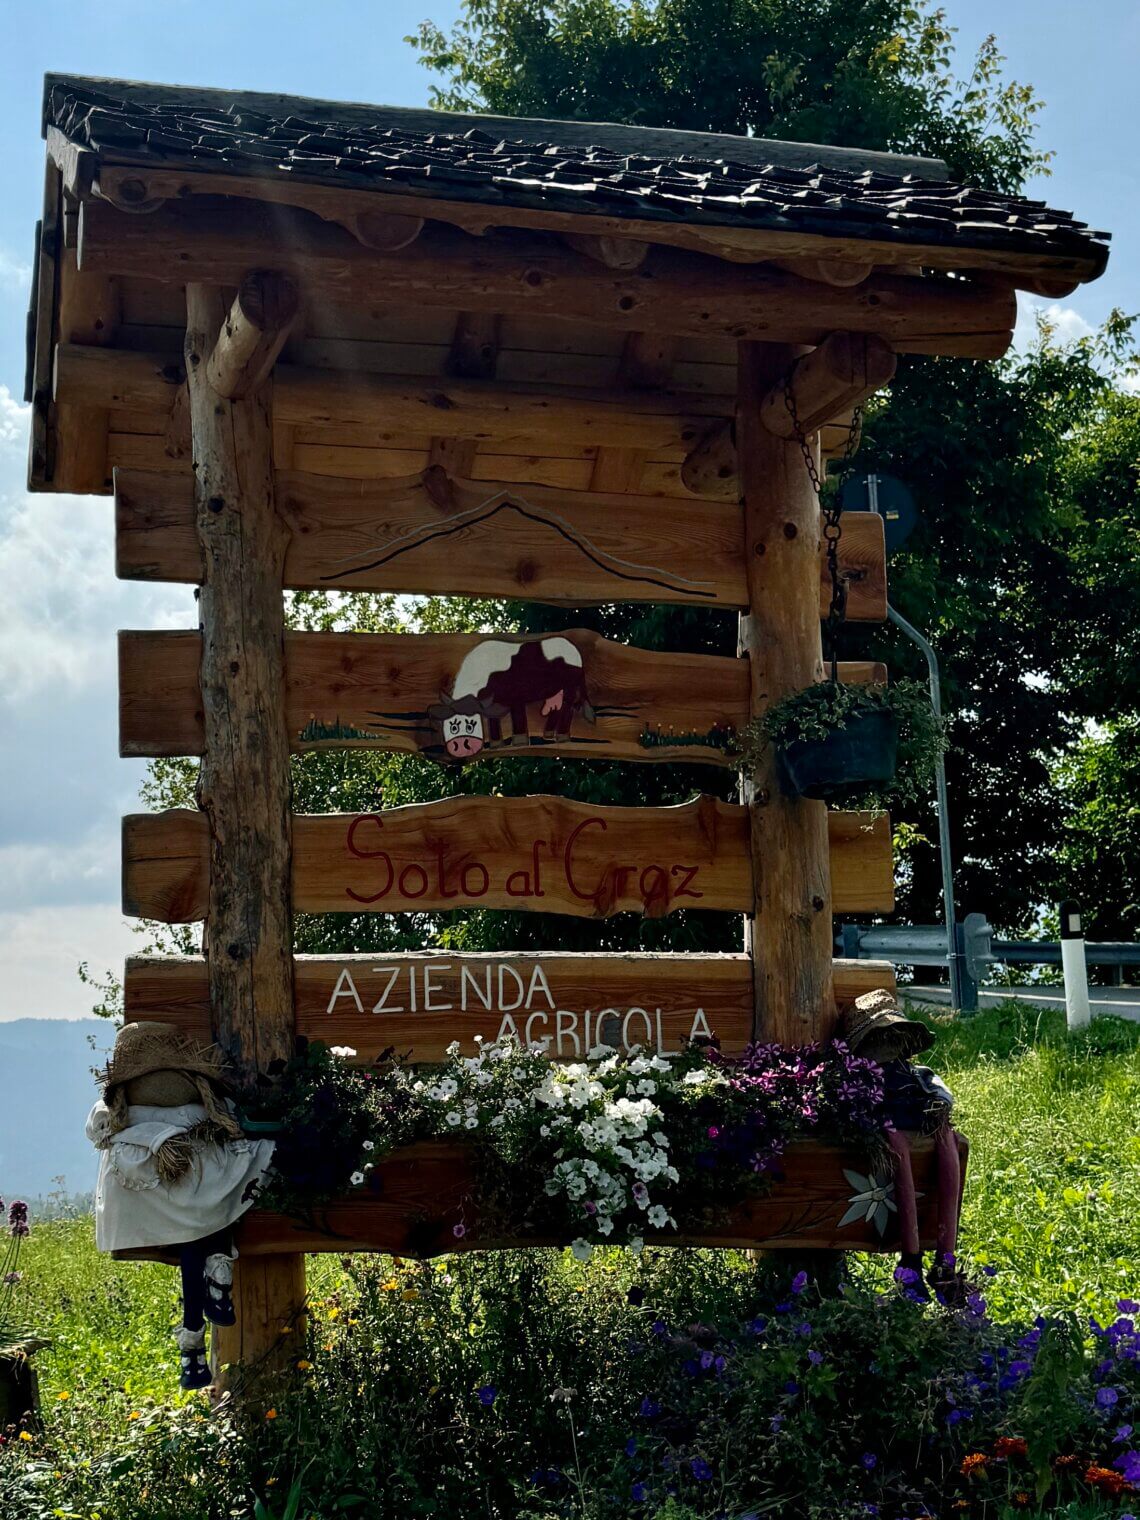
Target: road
{"x":1124,"y":1002}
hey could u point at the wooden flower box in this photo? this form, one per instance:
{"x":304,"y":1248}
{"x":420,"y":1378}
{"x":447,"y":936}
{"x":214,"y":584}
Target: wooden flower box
{"x":423,"y":1192}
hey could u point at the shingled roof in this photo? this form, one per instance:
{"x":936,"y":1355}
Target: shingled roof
{"x":647,"y":173}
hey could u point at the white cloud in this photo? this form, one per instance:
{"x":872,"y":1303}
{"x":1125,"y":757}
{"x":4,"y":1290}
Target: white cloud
{"x":1067,"y":322}
{"x":41,"y":949}
{"x":15,"y":275}
{"x":63,"y":787}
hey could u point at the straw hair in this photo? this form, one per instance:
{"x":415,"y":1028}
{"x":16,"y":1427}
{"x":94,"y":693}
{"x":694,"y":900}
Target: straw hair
{"x":144,"y":1049}
{"x":874,"y":1026}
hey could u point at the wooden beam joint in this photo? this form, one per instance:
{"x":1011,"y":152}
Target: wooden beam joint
{"x":253,"y":334}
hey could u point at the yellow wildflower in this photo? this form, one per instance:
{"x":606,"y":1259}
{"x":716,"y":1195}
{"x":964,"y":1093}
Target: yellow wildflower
{"x":271,"y":1414}
{"x":134,"y":1415}
{"x":303,"y":1366}
{"x":64,"y":1395}
{"x":390,"y":1286}
{"x":25,"y":1435}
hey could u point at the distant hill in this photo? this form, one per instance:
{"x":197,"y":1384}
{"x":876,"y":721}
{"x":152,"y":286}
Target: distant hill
{"x":46,"y":1090}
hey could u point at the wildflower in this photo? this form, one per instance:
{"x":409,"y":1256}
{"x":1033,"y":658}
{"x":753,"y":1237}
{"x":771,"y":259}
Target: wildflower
{"x":799,"y":1282}
{"x":815,"y":1358}
{"x":1011,"y":1446}
{"x":1107,"y":1480}
{"x":973,"y":1463}
{"x":304,"y":1366}
{"x":64,"y":1395}
{"x":639,"y":1493}
{"x":1122,"y":1432}
{"x":700,"y":1469}
{"x":869,"y":1460}
{"x":487,"y":1395}
{"x":1107,"y":1397}
{"x":271,"y":1414}
{"x":459,"y":1230}
{"x":12,"y":1279}
{"x":1129,"y":1465}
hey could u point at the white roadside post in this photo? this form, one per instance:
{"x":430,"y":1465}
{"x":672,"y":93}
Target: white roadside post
{"x":1073,"y":965}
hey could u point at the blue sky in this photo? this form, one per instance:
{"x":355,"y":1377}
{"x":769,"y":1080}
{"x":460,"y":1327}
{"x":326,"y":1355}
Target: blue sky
{"x":62,"y":787}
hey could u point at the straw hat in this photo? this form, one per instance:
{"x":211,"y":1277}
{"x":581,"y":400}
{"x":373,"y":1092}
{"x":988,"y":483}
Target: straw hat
{"x":162,"y":1054}
{"x":874,"y":1027}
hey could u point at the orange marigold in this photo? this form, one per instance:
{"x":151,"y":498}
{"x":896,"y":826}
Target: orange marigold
{"x":1011,"y":1446}
{"x":972,"y":1463}
{"x":1069,"y":1460}
{"x":1106,"y":1479}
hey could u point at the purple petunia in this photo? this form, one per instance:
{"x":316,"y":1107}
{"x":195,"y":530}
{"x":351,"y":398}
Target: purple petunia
{"x":700,"y":1469}
{"x":1107,"y":1397}
{"x":487,"y":1395}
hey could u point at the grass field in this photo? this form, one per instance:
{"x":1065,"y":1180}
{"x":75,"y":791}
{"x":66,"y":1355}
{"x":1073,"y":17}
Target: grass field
{"x":1053,"y":1204}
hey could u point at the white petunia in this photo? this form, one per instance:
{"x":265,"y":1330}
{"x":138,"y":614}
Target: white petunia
{"x":453,"y":1118}
{"x":658,"y":1217}
{"x":356,"y":1179}
{"x":581,"y":1249}
{"x":369,"y":1145}
{"x":470,"y":1122}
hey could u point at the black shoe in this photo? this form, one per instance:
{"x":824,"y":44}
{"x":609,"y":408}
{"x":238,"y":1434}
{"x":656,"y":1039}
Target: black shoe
{"x":218,"y":1306}
{"x":195,"y":1371}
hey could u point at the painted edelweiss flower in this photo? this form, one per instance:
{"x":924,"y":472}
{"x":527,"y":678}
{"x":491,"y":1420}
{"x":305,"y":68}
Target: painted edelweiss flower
{"x":872,"y":1201}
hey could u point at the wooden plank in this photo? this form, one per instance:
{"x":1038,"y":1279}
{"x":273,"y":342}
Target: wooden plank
{"x":418,"y":1002}
{"x":534,"y":854}
{"x":487,"y":411}
{"x":834,"y":378}
{"x":789,"y":930}
{"x":423,"y":1191}
{"x":89,"y":315}
{"x":741,"y":244}
{"x":374,"y":691}
{"x":541,"y":543}
{"x":674,"y":293}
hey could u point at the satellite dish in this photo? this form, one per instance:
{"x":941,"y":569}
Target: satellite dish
{"x":872,"y":491}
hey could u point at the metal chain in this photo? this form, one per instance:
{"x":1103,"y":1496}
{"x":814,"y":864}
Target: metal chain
{"x":832,"y":526}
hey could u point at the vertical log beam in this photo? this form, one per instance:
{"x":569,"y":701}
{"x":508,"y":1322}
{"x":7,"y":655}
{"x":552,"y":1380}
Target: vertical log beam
{"x":245,"y":788}
{"x":789,"y":934}
{"x":646,"y":362}
{"x":474,"y":356}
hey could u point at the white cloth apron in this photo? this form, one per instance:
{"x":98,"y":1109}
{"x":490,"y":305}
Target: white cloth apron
{"x":134,"y":1207}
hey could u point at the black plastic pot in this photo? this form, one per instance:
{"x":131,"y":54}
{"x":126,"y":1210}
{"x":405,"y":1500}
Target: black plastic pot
{"x":860,"y":754}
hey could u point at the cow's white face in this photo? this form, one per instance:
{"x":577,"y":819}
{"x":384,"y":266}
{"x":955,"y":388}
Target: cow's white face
{"x":463,"y":735}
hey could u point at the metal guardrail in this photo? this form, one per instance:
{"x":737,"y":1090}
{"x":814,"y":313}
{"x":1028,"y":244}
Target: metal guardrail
{"x":978,"y":950}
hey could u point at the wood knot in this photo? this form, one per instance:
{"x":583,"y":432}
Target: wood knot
{"x":237,"y":952}
{"x":818,"y":904}
{"x":627,"y":303}
{"x":760,"y":550}
{"x":525,"y":571}
{"x":533,"y":277}
{"x":216,"y":504}
{"x":234,"y":667}
{"x":790,"y":530}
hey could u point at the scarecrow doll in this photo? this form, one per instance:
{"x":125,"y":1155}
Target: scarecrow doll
{"x":916,"y":1099}
{"x":175,"y":1170}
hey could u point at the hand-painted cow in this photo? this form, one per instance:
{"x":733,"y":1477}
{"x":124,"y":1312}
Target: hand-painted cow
{"x":500,"y":678}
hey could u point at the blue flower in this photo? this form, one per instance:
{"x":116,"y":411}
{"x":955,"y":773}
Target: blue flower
{"x":1107,"y":1397}
{"x":775,"y":1422}
{"x":659,"y":1327}
{"x":990,"y":1271}
{"x":1122,"y":1432}
{"x":1129,"y":1465}
{"x":869,"y":1460}
{"x":631,"y":1446}
{"x":700,"y":1469}
{"x":639,"y":1493}
{"x":757,"y":1326}
{"x":815,"y":1358}
{"x":804,"y":1329}
{"x":791,"y":1387}
{"x":799,"y":1282}
{"x":707,"y":1360}
{"x":650,"y":1409}
{"x":487,"y":1395}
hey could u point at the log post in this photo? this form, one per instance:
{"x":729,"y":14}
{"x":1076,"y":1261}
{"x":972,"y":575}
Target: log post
{"x":244,"y":789}
{"x":789,"y":933}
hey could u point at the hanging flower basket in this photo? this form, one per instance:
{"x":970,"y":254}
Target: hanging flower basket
{"x":862,"y":754}
{"x":860,"y":747}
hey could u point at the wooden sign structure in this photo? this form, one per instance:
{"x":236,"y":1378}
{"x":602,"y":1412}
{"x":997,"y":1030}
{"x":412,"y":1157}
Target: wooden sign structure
{"x":315,"y":346}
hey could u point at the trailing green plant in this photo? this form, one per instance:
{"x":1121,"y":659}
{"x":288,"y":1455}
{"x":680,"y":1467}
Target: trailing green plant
{"x":828,"y":707}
